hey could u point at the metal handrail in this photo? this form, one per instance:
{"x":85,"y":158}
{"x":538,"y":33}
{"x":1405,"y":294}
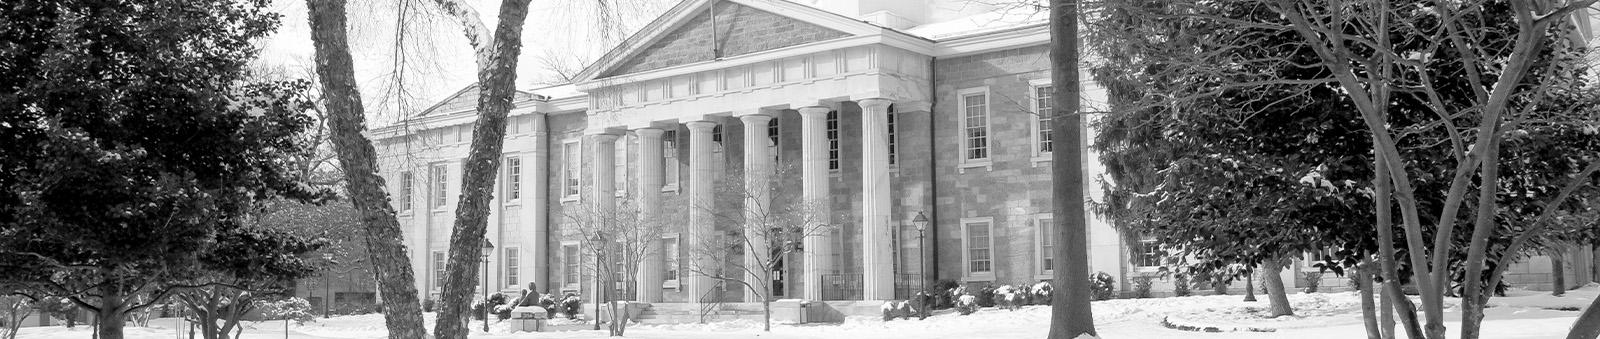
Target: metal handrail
{"x":707,"y":308}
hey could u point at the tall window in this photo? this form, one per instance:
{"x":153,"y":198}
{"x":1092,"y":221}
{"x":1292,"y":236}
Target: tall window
{"x":716,"y":138}
{"x":570,"y":164}
{"x":833,"y":140}
{"x":772,"y":135}
{"x":406,"y":180}
{"x":1148,"y":254}
{"x":1047,"y":244}
{"x":513,"y":178}
{"x":975,"y":126}
{"x":569,"y":265}
{"x":438,"y":270}
{"x":979,"y":246}
{"x":1042,"y":109}
{"x":441,"y":177}
{"x":893,"y":146}
{"x":669,"y":158}
{"x":669,"y":247}
{"x":620,"y":166}
{"x":511,"y":266}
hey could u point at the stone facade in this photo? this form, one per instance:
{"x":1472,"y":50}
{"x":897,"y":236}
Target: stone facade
{"x":740,"y":30}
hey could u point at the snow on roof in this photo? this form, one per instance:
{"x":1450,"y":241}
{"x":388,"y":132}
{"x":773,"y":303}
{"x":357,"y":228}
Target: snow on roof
{"x":558,"y":91}
{"x":989,"y":22}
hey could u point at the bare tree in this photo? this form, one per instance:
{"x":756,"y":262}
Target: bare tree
{"x":616,"y":240}
{"x":13,"y":309}
{"x":771,"y":224}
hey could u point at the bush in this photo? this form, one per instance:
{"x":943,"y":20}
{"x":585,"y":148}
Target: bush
{"x":1141,"y":286}
{"x":1180,"y":285}
{"x":1353,"y":281}
{"x":427,"y":305}
{"x":941,"y":293}
{"x":495,"y":301}
{"x":1102,"y":286}
{"x":291,"y":308}
{"x":985,"y":296}
{"x":1312,"y":280}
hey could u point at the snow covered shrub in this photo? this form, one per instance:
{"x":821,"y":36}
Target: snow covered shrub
{"x":1312,"y":281}
{"x":1180,"y":285}
{"x":291,"y":308}
{"x":478,"y":304}
{"x":496,"y":301}
{"x":571,"y":305}
{"x":1042,"y":293}
{"x":966,"y":304}
{"x":941,"y":292}
{"x":427,"y":305}
{"x":1102,"y":286}
{"x":1141,"y":286}
{"x":986,"y":296}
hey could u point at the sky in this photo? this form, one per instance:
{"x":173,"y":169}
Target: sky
{"x":437,"y":61}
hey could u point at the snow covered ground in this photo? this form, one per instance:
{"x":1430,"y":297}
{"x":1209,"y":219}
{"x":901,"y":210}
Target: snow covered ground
{"x":1523,"y":314}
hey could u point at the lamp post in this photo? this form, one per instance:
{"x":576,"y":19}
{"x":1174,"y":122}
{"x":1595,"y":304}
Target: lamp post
{"x":486,"y":248}
{"x":599,"y":240}
{"x":921,"y":221}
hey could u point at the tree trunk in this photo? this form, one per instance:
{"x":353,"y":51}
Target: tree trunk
{"x":766,"y":313}
{"x":1250,"y":287}
{"x":1383,"y":184}
{"x":402,"y":313}
{"x":1588,"y":324}
{"x":1369,"y":316}
{"x":109,"y":317}
{"x":1558,"y":272}
{"x":1277,"y":300}
{"x":1385,"y":310}
{"x":1406,"y":310}
{"x":1070,"y":315}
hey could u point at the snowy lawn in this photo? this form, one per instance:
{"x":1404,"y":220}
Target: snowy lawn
{"x":1524,"y":314}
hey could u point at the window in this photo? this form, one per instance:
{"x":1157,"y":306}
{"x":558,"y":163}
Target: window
{"x":1042,"y":109}
{"x":406,"y":181}
{"x":975,"y":125}
{"x":513,"y":178}
{"x":438,"y":270}
{"x":669,"y":249}
{"x":669,"y":160}
{"x":772,"y":135}
{"x":833,"y":140}
{"x":1047,"y":244}
{"x":1312,"y":259}
{"x":893,"y":146}
{"x":569,"y":265}
{"x":1148,"y":254}
{"x":716,"y":138}
{"x":511,"y":266}
{"x":441,"y":177}
{"x":570,"y":164}
{"x":620,"y":166}
{"x":978,"y":246}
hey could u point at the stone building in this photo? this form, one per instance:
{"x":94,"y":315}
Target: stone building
{"x":883,"y":110}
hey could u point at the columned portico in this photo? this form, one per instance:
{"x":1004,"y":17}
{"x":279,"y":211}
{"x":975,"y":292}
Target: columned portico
{"x":702,"y":175}
{"x":814,"y":192}
{"x":757,"y":175}
{"x":650,"y":172}
{"x":876,"y":252}
{"x":604,"y":192}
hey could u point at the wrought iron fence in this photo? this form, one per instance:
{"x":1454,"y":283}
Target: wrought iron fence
{"x":848,"y":286}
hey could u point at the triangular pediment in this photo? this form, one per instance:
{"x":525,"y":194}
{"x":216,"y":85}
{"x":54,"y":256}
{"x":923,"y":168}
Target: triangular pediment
{"x":739,"y":30}
{"x":466,"y":99}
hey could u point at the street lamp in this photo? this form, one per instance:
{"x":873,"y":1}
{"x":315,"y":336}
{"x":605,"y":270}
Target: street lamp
{"x":486,"y":248}
{"x":921,"y":221}
{"x":599,"y":241}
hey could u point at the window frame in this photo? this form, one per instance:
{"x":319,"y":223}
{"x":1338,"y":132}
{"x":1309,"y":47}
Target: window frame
{"x":439,"y":186}
{"x":619,"y":165}
{"x":965,"y":137}
{"x":407,"y":192}
{"x":672,"y":261}
{"x":439,"y":261}
{"x":833,"y":132}
{"x":511,"y":266}
{"x":671,"y":168}
{"x":1042,"y":253}
{"x":892,"y":121}
{"x":967,"y":273}
{"x":774,"y":133}
{"x":1038,"y":121}
{"x":1144,"y":244}
{"x":571,"y":279}
{"x":571,"y":170}
{"x":513,"y":172}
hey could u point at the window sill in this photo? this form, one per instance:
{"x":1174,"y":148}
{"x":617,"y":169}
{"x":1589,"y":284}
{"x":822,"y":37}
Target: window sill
{"x":405,"y":213}
{"x":986,"y":164}
{"x":440,"y":210}
{"x":978,"y":278}
{"x":835,"y":173}
{"x":514,"y":202}
{"x":1045,"y":276}
{"x":1042,"y":159}
{"x":1147,"y":269}
{"x":570,"y":198}
{"x":670,"y":285}
{"x":621,"y":194}
{"x":673,"y":188}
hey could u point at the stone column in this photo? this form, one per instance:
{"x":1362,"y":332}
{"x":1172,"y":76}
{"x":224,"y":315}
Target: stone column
{"x":702,"y":220}
{"x":536,"y":209}
{"x":814,"y":193}
{"x":757,"y":198}
{"x":877,"y":256}
{"x":603,"y":207}
{"x":650,"y":267}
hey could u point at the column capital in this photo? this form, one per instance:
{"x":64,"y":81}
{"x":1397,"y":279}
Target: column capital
{"x":874,"y":103}
{"x":700,"y":126}
{"x":820,"y":111}
{"x":604,"y":138}
{"x":650,"y":132}
{"x":755,"y":119}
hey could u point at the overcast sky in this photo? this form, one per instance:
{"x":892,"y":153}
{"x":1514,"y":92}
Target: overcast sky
{"x":437,"y":59}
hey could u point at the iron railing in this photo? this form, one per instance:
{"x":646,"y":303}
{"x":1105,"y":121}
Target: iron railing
{"x":847,"y":286}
